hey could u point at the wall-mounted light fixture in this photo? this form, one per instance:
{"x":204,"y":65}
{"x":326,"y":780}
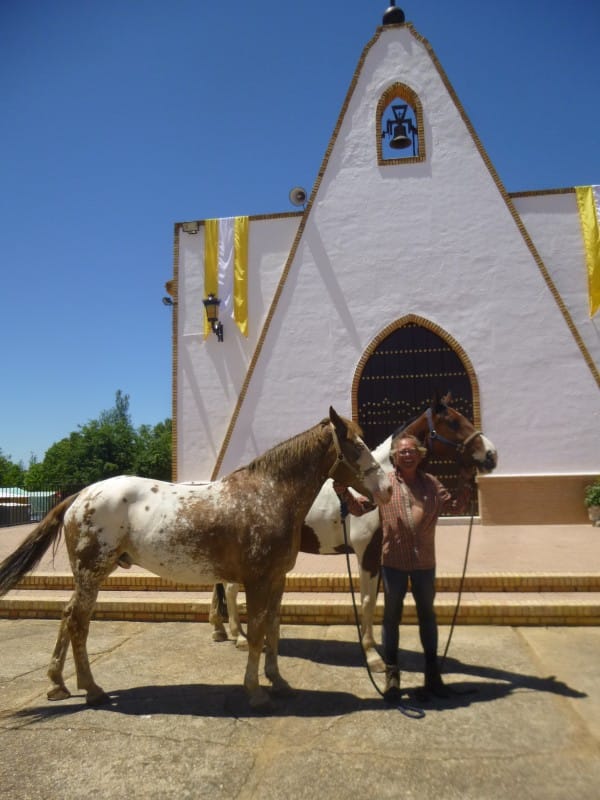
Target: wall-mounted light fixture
{"x":190,"y":227}
{"x":211,"y":305}
{"x":400,"y":129}
{"x":167,"y":301}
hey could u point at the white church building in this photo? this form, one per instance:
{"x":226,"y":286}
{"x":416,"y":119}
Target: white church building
{"x":405,"y":269}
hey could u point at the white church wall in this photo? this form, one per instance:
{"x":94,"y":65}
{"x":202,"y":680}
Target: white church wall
{"x":552,"y":220}
{"x":210,"y":374}
{"x":439,"y":239}
{"x":436,"y":239}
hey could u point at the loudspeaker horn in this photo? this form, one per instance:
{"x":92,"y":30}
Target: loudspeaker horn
{"x":298,"y":196}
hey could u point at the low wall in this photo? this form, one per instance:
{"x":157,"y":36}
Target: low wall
{"x":533,"y":499}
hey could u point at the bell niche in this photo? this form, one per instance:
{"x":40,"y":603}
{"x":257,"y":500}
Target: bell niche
{"x":399,"y":126}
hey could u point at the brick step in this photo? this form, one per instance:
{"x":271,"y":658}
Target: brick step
{"x":319,"y":608}
{"x":335,"y":582}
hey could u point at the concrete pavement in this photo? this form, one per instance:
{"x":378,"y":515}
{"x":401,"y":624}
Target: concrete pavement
{"x":525,"y":722}
{"x":494,"y":548}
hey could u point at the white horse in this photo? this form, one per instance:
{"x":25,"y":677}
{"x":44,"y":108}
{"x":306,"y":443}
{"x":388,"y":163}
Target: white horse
{"x":445,"y":432}
{"x":244,"y":528}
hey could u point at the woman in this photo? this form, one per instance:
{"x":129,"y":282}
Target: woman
{"x":408,"y":552}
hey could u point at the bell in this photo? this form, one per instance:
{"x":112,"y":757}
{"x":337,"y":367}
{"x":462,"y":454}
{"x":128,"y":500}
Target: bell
{"x":399,"y":138}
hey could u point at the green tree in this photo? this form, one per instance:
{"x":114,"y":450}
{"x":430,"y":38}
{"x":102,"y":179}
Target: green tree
{"x":11,"y":474}
{"x":107,"y":445}
{"x":103,"y":448}
{"x":34,"y":477}
{"x":153,"y":457}
{"x":100,"y":449}
{"x":61,"y":465}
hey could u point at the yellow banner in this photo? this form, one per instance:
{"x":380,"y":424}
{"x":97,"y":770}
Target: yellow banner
{"x":240,"y":274}
{"x":211,"y":263}
{"x":226,"y":268}
{"x":588,"y":202}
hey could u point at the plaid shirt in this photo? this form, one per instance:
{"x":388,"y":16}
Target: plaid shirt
{"x":403,"y":549}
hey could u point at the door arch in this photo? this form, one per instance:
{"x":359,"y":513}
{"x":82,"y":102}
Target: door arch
{"x":398,"y":376}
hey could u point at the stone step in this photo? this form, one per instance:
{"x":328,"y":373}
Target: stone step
{"x":563,"y":608}
{"x":335,"y":582}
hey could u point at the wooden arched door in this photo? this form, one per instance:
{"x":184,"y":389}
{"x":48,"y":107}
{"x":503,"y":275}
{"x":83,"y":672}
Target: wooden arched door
{"x":400,"y":374}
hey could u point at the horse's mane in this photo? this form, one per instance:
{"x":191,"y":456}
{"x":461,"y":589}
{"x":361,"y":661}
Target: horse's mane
{"x":296,"y":448}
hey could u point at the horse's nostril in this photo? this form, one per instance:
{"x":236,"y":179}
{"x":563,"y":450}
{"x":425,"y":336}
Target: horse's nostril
{"x":490,"y":460}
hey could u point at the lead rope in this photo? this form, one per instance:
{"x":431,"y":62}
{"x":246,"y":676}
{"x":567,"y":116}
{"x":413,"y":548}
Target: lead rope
{"x":412,"y":712}
{"x":460,"y":587}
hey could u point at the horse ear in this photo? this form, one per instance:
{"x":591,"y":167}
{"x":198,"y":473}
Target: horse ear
{"x":339,"y":424}
{"x":447,"y":398}
{"x":438,"y":403}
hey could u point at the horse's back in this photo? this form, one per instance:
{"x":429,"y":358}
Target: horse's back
{"x":141,"y":521}
{"x":323,"y":532}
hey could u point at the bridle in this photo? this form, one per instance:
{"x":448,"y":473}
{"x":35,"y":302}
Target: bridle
{"x":433,"y":435}
{"x":347,"y":473}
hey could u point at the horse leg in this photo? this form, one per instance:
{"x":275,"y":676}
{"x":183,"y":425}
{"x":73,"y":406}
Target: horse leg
{"x":368,"y":596}
{"x":215,"y":617}
{"x":280,"y":685}
{"x":58,"y":690}
{"x":235,"y":626}
{"x":257,"y":600}
{"x":79,"y":626}
{"x":74,"y":626}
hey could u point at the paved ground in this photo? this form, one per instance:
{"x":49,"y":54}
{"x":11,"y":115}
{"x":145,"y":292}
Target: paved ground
{"x":494,"y":548}
{"x":526,"y":723}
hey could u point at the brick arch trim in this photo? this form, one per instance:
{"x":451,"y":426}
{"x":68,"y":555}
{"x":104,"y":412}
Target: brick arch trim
{"x":439,"y":331}
{"x":400,"y":91}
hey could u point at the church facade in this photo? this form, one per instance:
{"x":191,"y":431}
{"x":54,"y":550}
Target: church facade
{"x":406,"y":270}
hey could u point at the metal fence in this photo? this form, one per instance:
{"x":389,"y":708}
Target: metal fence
{"x":23,"y":506}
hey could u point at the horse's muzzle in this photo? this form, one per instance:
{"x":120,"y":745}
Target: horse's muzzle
{"x":489,"y":463}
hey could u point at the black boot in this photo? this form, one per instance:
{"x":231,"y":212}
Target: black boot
{"x":433,"y":680}
{"x":392,"y":693}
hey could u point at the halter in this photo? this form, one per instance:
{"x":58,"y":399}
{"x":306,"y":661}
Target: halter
{"x":349,"y":474}
{"x":459,"y":446}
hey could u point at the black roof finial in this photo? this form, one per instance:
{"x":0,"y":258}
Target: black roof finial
{"x":393,"y":16}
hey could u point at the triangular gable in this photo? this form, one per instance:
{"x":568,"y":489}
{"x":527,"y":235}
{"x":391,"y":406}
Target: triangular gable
{"x":345,"y":229}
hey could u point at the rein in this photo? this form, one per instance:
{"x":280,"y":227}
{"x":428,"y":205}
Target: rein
{"x":460,"y":588}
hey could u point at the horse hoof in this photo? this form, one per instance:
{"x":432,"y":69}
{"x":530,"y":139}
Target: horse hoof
{"x":242,"y":643}
{"x":97,"y":699}
{"x":281,"y":688}
{"x":219,"y":636}
{"x":58,"y":693}
{"x":260,"y":700}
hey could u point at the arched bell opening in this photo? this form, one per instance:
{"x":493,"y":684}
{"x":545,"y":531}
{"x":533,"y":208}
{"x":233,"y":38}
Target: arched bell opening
{"x":399,"y":126}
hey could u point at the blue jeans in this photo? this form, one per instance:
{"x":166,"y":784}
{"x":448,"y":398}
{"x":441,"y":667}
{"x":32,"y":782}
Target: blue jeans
{"x":395,"y":585}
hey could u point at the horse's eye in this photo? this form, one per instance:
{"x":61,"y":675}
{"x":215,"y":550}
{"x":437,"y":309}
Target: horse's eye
{"x":356,"y":450}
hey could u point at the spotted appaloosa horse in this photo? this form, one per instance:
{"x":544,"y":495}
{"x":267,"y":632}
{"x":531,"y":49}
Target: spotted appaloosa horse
{"x":446,"y":433}
{"x":244,"y":528}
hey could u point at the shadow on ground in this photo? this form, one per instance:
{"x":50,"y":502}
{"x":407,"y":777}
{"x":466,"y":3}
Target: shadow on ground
{"x":469,"y":684}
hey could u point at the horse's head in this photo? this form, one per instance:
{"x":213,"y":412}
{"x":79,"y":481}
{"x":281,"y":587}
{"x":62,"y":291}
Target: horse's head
{"x":354,"y":465}
{"x":446,"y":432}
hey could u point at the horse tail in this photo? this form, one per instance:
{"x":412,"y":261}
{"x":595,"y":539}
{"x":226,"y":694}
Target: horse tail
{"x":27,"y":556}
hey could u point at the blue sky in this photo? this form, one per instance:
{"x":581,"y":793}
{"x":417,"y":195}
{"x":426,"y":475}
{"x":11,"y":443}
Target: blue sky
{"x":122,"y":117}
